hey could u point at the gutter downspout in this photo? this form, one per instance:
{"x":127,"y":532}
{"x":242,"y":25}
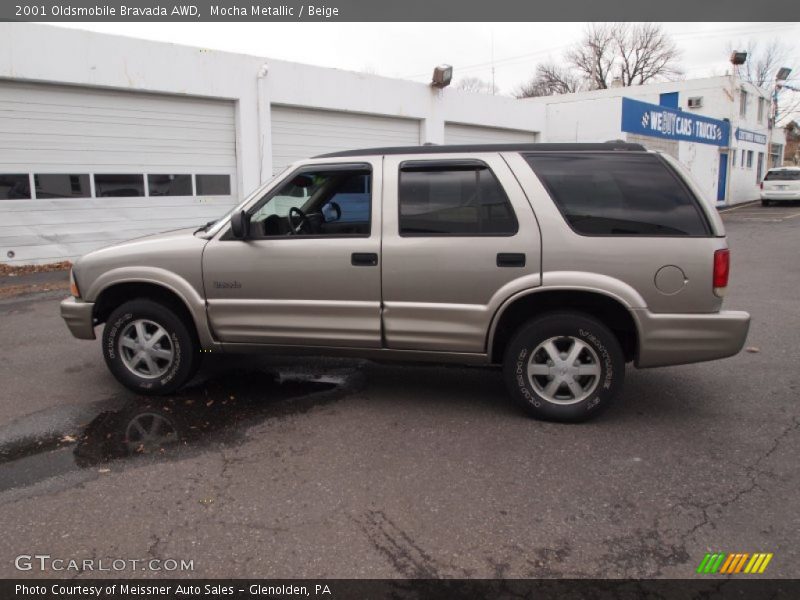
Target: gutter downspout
{"x":728,"y":199}
{"x":263,"y":113}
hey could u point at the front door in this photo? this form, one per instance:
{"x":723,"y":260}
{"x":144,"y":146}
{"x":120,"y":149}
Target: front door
{"x":459,"y":238}
{"x":309,"y":272}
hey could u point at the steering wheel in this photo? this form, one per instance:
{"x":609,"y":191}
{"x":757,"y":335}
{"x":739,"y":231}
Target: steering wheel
{"x":303,"y":220}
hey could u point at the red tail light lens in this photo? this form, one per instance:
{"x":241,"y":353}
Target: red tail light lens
{"x":722,"y":269}
{"x":761,"y":185}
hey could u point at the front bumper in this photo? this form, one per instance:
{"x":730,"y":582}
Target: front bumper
{"x":670,"y":339}
{"x":77,"y":314}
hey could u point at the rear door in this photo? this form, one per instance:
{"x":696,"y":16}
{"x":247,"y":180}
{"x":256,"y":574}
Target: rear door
{"x":459,"y":237}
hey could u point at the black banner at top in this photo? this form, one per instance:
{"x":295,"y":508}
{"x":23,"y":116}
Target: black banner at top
{"x":395,"y":10}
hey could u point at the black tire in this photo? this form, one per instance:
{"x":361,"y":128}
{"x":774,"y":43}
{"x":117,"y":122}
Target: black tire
{"x":181,"y":341}
{"x":600,"y":347}
{"x":765,"y":203}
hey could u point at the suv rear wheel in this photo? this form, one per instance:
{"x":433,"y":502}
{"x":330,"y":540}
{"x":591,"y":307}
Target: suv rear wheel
{"x":148,"y":348}
{"x":564,"y":366}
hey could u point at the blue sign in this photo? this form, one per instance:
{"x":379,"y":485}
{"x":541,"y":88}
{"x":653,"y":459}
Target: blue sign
{"x":745,"y":135}
{"x":671,"y":124}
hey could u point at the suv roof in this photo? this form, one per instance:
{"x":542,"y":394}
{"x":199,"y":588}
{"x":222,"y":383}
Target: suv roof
{"x":445,"y":149}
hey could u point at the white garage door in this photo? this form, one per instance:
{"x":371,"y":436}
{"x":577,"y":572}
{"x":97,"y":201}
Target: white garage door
{"x":299,"y":133}
{"x":457,"y":133}
{"x":82,"y":168}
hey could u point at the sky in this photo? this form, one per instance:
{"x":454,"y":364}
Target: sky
{"x":411,"y":50}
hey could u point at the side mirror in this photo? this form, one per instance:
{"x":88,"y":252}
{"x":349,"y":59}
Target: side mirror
{"x":240,"y":225}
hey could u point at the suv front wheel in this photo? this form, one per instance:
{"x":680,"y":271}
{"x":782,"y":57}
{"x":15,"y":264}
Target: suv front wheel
{"x":148,"y":348}
{"x":564,"y":366}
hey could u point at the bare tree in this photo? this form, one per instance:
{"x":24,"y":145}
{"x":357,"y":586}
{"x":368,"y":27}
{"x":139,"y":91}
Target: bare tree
{"x":594,"y":56}
{"x":644,"y":53}
{"x":476,"y":84}
{"x":550,"y":79}
{"x":763,"y":62}
{"x":761,"y":68}
{"x":631,"y":53}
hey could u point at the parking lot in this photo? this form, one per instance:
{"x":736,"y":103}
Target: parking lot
{"x":288,"y":467}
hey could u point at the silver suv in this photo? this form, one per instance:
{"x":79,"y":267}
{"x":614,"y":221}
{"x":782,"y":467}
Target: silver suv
{"x":560,"y":262}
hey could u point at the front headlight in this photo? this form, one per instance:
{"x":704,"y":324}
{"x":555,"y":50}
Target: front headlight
{"x":73,"y":285}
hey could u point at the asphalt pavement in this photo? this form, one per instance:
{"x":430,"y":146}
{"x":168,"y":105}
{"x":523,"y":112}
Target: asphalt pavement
{"x":287,"y":467}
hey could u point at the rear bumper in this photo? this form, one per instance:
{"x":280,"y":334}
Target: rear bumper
{"x":669,"y":339}
{"x":77,"y":314}
{"x":778,"y":195}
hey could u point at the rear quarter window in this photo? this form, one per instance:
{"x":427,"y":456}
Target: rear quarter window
{"x":619,"y":194}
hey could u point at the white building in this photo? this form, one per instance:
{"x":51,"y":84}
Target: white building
{"x":717,"y":126}
{"x":106,"y":137}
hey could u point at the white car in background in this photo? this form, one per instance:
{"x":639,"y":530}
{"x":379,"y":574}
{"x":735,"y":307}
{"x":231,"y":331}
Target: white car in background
{"x":781,"y":184}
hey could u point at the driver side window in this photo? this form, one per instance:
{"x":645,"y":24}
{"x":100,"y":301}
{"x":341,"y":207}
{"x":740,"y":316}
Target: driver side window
{"x":317,"y":202}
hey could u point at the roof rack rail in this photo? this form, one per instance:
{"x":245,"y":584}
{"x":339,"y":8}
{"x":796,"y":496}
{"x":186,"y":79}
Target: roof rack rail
{"x":614,"y":145}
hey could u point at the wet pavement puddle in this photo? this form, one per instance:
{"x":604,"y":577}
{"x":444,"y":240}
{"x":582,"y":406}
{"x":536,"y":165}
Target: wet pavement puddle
{"x":218,"y":409}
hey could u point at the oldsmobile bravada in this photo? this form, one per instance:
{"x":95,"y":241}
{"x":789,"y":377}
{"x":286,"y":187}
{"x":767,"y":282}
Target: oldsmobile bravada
{"x":559,"y":262}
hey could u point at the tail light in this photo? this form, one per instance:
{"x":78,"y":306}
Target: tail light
{"x":722,"y":269}
{"x":761,"y":185}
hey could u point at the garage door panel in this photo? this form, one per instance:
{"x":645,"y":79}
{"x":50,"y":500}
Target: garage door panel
{"x":299,"y":133}
{"x":88,"y":161}
{"x":83,"y":216}
{"x":80,"y":130}
{"x":41,"y":124}
{"x":61,"y":99}
{"x":34,"y":114}
{"x":459,"y":133}
{"x":113,"y":130}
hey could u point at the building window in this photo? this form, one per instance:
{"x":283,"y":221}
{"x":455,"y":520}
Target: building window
{"x":775,"y":155}
{"x":169,"y":185}
{"x":761,"y":109}
{"x":437,"y":198}
{"x":213,"y":185}
{"x":118,"y":186}
{"x":760,"y":167}
{"x":744,"y":157}
{"x":733,"y":157}
{"x":749,"y":159}
{"x":58,"y":185}
{"x":15,"y":187}
{"x":742,"y":103}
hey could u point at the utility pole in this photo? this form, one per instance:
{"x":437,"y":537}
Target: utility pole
{"x":780,"y":82}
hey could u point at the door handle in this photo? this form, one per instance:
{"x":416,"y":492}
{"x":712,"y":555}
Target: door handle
{"x":510,"y":259}
{"x":364,"y":259}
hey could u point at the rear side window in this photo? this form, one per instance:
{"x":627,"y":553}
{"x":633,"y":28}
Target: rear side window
{"x":460,"y":199}
{"x":782,"y":176}
{"x":619,"y":194}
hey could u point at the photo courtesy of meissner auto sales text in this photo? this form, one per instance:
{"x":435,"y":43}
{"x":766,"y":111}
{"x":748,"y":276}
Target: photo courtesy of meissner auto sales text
{"x":399,"y":300}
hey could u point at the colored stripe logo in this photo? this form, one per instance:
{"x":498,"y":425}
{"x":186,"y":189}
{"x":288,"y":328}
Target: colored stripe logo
{"x":733,"y":563}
